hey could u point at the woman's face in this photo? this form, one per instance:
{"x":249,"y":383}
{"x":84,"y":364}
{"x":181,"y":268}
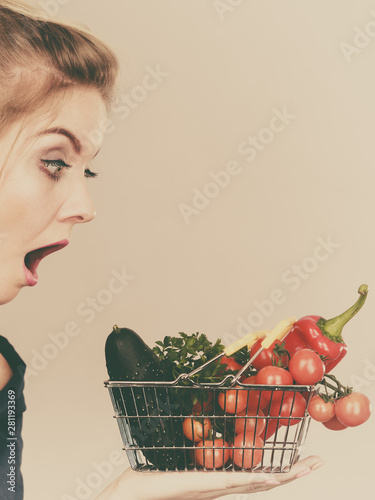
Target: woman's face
{"x":43,"y":191}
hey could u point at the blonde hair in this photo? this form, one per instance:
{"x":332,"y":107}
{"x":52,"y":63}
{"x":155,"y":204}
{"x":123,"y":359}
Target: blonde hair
{"x":41,"y":57}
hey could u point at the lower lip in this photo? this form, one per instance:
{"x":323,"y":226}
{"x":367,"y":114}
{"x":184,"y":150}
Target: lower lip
{"x":31,"y":280}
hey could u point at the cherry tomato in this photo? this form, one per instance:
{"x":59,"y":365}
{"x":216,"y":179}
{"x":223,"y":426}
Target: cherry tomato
{"x":320,"y":410}
{"x":293,"y":405}
{"x":273,"y":375}
{"x":231,"y":363}
{"x":269,"y":431}
{"x":272,"y":424}
{"x":249,"y":457}
{"x":257,"y":399}
{"x":195,"y":429}
{"x":233,"y":400}
{"x":207,"y":403}
{"x":267,"y":357}
{"x":306,"y":367}
{"x":353,"y":410}
{"x":230,"y":447}
{"x":250,"y":423}
{"x":212,"y":458}
{"x":306,"y":395}
{"x":334,"y":424}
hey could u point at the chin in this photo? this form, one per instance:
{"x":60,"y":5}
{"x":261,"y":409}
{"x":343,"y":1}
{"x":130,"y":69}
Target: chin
{"x":8,"y":295}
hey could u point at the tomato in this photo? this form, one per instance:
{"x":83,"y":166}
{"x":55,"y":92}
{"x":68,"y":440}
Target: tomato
{"x":233,"y":400}
{"x":267,"y":357}
{"x":247,"y":458}
{"x":249,"y":423}
{"x":272,"y":424}
{"x":257,"y":399}
{"x":273,"y":375}
{"x":269,"y":431}
{"x":306,"y":395}
{"x":230,"y":444}
{"x":212,"y":458}
{"x":353,"y":410}
{"x":195,"y":429}
{"x":293,"y":405}
{"x":306,"y":367}
{"x":207,"y":403}
{"x":320,"y":410}
{"x":231,"y":363}
{"x":334,"y":424}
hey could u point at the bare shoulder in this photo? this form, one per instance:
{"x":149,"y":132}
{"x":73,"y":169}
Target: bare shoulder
{"x":6,"y":372}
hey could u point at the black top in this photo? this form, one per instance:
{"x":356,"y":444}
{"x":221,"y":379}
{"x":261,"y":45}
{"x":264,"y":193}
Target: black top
{"x":12,"y":406}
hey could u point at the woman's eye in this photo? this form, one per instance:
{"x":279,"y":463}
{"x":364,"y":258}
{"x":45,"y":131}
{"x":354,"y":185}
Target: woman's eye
{"x":89,"y":174}
{"x":54,"y":168}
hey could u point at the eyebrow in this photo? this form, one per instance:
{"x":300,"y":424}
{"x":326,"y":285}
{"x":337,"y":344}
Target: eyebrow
{"x":76,"y":143}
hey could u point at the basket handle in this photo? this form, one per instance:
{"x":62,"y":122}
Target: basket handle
{"x":278,"y":333}
{"x":228,"y":351}
{"x":245,"y":341}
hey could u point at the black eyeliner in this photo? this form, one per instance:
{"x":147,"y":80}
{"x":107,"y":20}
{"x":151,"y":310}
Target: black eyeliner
{"x":59,"y":163}
{"x":89,"y":174}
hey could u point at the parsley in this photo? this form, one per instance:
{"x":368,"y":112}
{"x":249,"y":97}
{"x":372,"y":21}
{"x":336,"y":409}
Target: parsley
{"x":241,"y":356}
{"x":186,"y":353}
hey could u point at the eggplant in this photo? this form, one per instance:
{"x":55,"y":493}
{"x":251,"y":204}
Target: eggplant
{"x":129,"y":358}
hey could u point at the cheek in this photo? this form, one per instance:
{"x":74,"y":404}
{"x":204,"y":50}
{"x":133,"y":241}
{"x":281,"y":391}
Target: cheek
{"x":26,"y":206}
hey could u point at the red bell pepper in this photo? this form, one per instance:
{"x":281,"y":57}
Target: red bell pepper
{"x":322,"y":335}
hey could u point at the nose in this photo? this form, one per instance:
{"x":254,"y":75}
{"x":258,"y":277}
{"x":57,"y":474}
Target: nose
{"x":78,"y":206}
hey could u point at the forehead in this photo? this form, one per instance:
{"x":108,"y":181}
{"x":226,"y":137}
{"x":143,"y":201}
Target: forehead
{"x":79,"y":117}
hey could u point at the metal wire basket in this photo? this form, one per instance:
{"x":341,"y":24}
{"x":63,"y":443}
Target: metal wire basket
{"x":151,"y":419}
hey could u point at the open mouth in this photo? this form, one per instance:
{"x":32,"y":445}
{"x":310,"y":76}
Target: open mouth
{"x":33,"y":258}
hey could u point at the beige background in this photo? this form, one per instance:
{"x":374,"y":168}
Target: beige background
{"x":226,"y":73}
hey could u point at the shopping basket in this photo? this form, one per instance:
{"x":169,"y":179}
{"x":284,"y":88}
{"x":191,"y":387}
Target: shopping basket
{"x":151,"y":416}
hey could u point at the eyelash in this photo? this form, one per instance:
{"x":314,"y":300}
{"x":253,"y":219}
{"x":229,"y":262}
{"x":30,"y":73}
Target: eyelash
{"x":60,"y":164}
